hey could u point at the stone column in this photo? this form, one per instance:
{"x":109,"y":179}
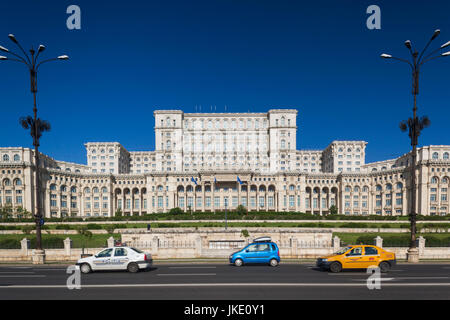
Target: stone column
{"x":155,"y":246}
{"x":336,"y":243}
{"x":421,"y":245}
{"x":110,"y":242}
{"x":378,"y":241}
{"x":25,"y":246}
{"x":67,"y":246}
{"x":294,"y":246}
{"x":198,"y":247}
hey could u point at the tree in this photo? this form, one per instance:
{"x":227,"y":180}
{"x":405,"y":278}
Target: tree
{"x":85,"y":233}
{"x":333,"y":209}
{"x":241,"y":210}
{"x":118,"y":213}
{"x":176,"y":210}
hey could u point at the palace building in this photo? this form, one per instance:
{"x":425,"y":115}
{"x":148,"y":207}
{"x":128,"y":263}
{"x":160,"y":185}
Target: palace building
{"x":212,"y":161}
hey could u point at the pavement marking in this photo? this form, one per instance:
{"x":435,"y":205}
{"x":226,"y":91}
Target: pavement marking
{"x":177,"y":285}
{"x":186,"y":274}
{"x":192,"y":267}
{"x":60,"y":269}
{"x":348,"y":274}
{"x":23,"y":276}
{"x":406,"y":278}
{"x":21,"y":272}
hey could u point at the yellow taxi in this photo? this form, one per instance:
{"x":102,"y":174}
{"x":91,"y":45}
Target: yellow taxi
{"x":358,"y":257}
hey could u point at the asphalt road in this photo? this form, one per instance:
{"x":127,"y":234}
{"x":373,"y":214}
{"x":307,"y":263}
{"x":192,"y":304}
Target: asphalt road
{"x":225,"y":282}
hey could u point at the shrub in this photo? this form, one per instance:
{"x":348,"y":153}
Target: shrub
{"x":176,"y":211}
{"x":9,"y":244}
{"x":94,"y":226}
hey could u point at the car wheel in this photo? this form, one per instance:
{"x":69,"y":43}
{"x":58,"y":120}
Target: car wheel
{"x":133,"y":267}
{"x":273,"y":263}
{"x":238,"y":262}
{"x":335,"y":267}
{"x":85,"y":268}
{"x":384,"y":266}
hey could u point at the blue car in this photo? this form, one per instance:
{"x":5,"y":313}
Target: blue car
{"x":262,"y":250}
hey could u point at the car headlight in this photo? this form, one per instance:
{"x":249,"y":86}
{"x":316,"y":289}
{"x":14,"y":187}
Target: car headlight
{"x":324,"y":260}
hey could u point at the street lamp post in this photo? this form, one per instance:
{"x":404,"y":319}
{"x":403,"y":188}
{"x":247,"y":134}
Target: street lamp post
{"x":415,"y":125}
{"x":34,"y":124}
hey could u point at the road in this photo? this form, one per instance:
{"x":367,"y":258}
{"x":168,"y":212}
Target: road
{"x":225,"y":282}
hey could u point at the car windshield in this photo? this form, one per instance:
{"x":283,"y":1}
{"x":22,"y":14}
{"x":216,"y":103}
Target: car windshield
{"x":136,"y":250}
{"x":342,"y":251}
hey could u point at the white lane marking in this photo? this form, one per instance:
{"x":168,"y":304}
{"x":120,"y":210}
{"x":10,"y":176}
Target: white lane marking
{"x":15,"y":272}
{"x":381,"y":279}
{"x":192,"y":267}
{"x":186,"y":274}
{"x":348,"y":274}
{"x":23,"y":276}
{"x":405,"y":278}
{"x":176,"y":285}
{"x":42,"y":269}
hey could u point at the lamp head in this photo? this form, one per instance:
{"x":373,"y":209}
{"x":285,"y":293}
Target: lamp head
{"x":41,"y":48}
{"x":12,"y":38}
{"x":445,"y":45}
{"x":63,"y":57}
{"x":435,"y":34}
{"x":408,"y":44}
{"x":386,"y":56}
{"x":3,"y":58}
{"x":3,"y":49}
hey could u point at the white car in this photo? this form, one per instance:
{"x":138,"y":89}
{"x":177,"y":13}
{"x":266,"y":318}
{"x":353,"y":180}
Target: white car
{"x":117,"y":258}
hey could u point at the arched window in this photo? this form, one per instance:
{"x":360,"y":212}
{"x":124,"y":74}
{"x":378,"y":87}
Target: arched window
{"x":389,"y":186}
{"x":283,"y":144}
{"x":446,"y":156}
{"x":378,"y":188}
{"x":291,"y":187}
{"x":18,"y":182}
{"x":87,"y":190}
{"x":73,"y":189}
{"x":160,"y":188}
{"x":53,"y":187}
{"x":282,"y":121}
{"x":6,"y":182}
{"x":365,"y":189}
{"x":5,"y":158}
{"x":444,"y":180}
{"x":356,"y":189}
{"x":63,"y":188}
{"x":434,"y":180}
{"x":16,"y":157}
{"x":95,"y":190}
{"x":399,"y":185}
{"x":104,"y":190}
{"x":435,"y":155}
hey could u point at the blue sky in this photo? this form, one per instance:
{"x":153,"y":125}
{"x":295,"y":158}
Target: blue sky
{"x":133,"y":57}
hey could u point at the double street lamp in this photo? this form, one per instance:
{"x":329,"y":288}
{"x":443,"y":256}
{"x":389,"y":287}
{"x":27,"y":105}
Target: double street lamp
{"x":415,"y":125}
{"x":34,"y":124}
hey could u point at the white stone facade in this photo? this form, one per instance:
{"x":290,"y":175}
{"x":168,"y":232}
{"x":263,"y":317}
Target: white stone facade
{"x":214,"y":149}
